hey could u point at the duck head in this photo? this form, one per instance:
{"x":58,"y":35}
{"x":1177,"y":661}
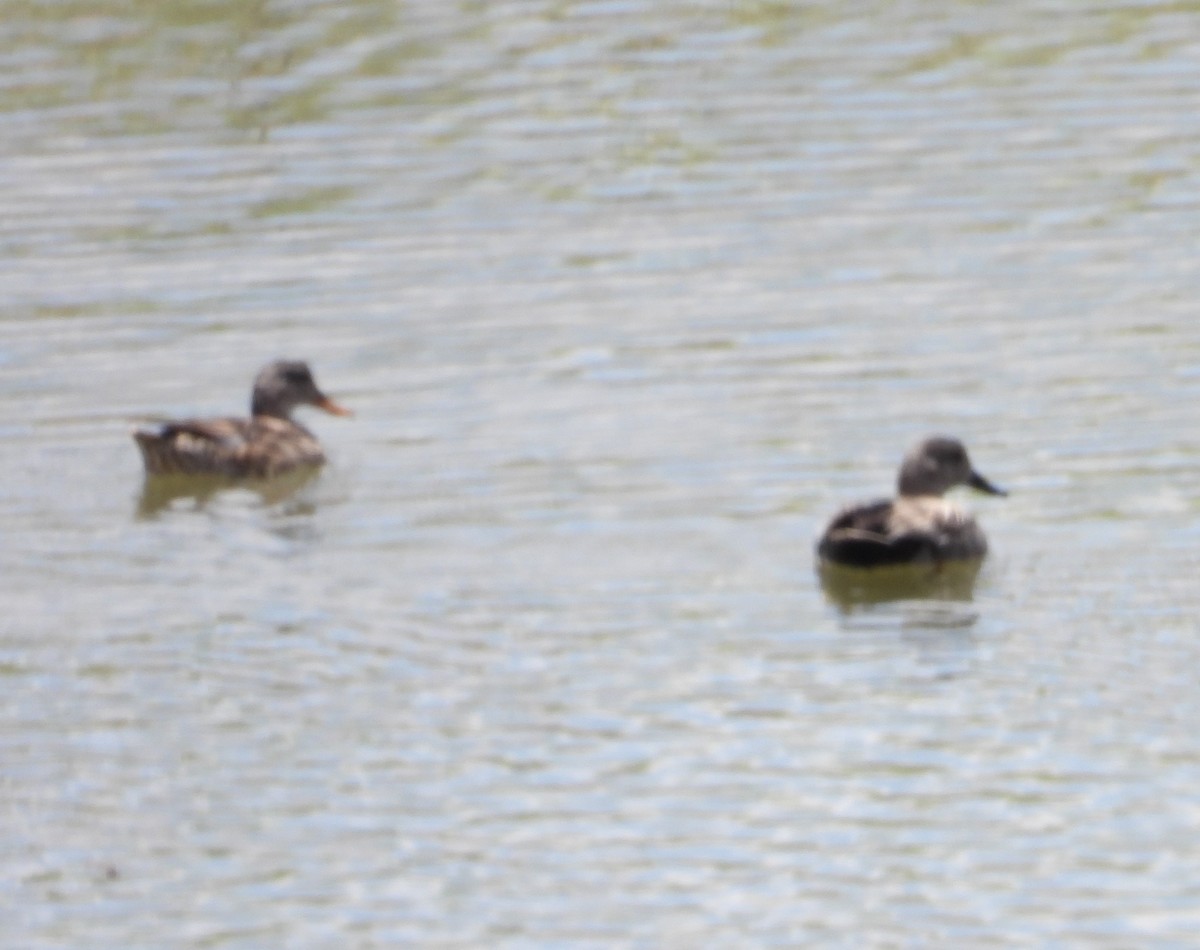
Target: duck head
{"x":285,"y":384}
{"x":938,"y":464}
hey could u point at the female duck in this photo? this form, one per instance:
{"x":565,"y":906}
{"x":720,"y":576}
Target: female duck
{"x":918,"y":526}
{"x":268,"y":443}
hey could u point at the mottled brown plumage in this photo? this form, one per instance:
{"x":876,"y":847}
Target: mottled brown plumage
{"x":269,"y":443}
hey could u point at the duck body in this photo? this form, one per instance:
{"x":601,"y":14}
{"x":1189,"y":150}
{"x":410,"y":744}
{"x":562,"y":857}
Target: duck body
{"x":267,"y":444}
{"x":918,"y":526}
{"x":913,"y":530}
{"x":259,"y":447}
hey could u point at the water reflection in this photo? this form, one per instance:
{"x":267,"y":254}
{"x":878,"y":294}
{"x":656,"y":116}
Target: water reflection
{"x":162,"y":492}
{"x":850,"y":588}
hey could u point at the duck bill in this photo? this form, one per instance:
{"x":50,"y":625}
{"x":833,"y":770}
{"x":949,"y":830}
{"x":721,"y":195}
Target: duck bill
{"x":979,"y":483}
{"x":332,"y":407}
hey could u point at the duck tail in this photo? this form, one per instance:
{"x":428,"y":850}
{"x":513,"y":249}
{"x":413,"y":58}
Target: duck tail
{"x":155,"y":449}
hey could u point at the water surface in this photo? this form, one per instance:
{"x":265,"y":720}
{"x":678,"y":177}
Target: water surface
{"x":628,"y":299}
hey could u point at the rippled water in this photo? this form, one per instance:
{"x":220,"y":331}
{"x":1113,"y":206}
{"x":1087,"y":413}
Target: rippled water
{"x":628,"y":298}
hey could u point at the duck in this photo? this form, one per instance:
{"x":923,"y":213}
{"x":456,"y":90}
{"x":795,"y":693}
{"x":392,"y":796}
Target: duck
{"x":918,"y":526}
{"x":267,"y":444}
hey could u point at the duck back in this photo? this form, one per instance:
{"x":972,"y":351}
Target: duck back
{"x":260,"y":447}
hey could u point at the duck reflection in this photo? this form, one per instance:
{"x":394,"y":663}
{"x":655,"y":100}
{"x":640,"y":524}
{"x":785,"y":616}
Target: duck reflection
{"x":194,"y":492}
{"x":850,"y":588}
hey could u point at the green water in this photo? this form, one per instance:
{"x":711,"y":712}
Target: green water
{"x":628,"y":299}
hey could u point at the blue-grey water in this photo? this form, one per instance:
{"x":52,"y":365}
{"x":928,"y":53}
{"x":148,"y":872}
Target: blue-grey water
{"x":628,"y":298}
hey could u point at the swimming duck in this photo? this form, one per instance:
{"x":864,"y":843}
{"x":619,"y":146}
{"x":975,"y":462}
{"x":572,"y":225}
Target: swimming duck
{"x":919,"y":525}
{"x":268,"y":443}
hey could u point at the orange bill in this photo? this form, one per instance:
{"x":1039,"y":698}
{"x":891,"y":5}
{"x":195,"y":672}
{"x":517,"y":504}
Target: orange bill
{"x":332,"y":407}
